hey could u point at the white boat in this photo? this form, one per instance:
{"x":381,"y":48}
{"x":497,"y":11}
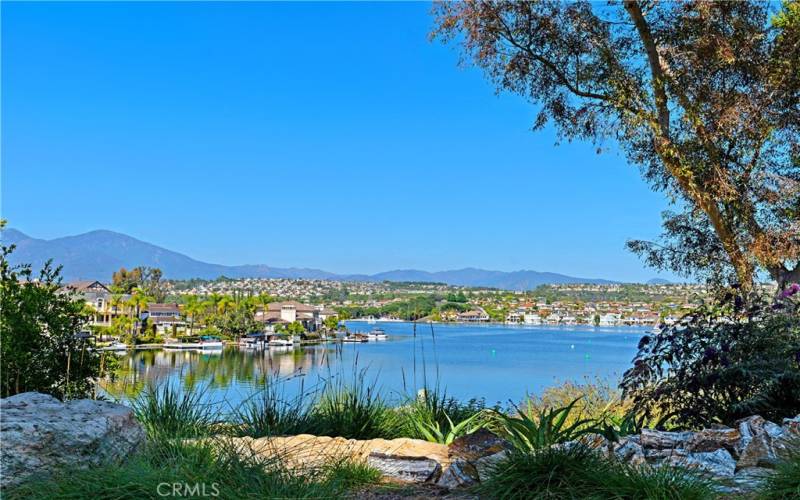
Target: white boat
{"x":376,"y":334}
{"x":209,"y":342}
{"x":280,"y":343}
{"x":115,"y":346}
{"x":358,"y":337}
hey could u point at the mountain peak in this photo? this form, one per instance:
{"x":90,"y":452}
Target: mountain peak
{"x":98,"y":254}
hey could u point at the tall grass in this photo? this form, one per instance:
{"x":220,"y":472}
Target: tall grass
{"x":578,"y":472}
{"x":272,"y":413}
{"x":354,"y":409}
{"x":216,"y":468}
{"x":167,"y":412}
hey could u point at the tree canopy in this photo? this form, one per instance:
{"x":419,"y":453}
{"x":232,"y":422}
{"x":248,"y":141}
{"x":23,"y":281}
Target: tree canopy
{"x":704,"y":96}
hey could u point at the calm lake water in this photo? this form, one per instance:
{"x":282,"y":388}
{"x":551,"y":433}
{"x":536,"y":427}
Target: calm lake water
{"x":495,"y":362}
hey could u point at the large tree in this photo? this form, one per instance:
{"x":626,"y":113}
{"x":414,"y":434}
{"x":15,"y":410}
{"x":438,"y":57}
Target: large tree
{"x":703,"y":96}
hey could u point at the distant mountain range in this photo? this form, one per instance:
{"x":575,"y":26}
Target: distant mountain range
{"x":97,"y":254}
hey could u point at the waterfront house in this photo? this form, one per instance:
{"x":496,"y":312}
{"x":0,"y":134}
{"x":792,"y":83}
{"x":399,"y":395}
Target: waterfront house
{"x":532,"y":319}
{"x":311,"y":317}
{"x":475,"y":315}
{"x":610,"y":319}
{"x":166,"y":318}
{"x":103,"y":305}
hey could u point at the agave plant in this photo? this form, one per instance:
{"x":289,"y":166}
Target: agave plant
{"x":434,"y":432}
{"x":530,"y":430}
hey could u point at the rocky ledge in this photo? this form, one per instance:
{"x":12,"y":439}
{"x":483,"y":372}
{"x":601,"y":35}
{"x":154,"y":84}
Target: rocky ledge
{"x":739,"y":457}
{"x":39,"y":434}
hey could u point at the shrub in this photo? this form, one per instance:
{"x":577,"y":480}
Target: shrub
{"x":578,"y":472}
{"x":720,"y":363}
{"x":596,"y":399}
{"x":38,"y":325}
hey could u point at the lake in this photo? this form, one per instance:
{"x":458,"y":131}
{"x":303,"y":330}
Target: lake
{"x":499,"y":363}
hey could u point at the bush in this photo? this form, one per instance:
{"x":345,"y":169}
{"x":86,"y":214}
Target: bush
{"x":596,"y":399}
{"x":578,"y":472}
{"x":721,"y":363}
{"x":38,"y":343}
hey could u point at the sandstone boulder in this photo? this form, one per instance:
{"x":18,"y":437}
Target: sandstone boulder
{"x":39,"y":434}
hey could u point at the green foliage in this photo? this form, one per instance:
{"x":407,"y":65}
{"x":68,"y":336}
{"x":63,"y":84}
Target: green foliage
{"x":146,"y":279}
{"x":531,"y":430}
{"x":223,"y":470}
{"x":578,"y":472}
{"x":236,"y":319}
{"x":168,"y":412}
{"x":271,"y":413}
{"x":434,"y":432}
{"x":721,"y":363}
{"x":38,"y":328}
{"x":435,"y":417}
{"x":354,"y":410}
{"x":785,"y":483}
{"x":331,"y":323}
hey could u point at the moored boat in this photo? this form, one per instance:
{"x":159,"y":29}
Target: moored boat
{"x":115,"y":346}
{"x":202,"y":342}
{"x":280,"y":343}
{"x":376,"y":334}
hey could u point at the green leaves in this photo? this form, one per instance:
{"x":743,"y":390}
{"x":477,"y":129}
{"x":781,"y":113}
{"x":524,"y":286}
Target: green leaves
{"x":548,"y":427}
{"x":434,"y":432}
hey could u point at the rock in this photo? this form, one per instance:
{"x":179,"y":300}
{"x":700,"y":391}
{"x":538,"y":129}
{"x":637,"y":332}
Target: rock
{"x":479,"y":444}
{"x":39,"y":434}
{"x":593,"y":441}
{"x":760,"y":442}
{"x":714,"y":439}
{"x":791,"y":426}
{"x":460,"y":473}
{"x":465,"y":452}
{"x":406,"y":468}
{"x":748,"y":480}
{"x":485,"y":466}
{"x":662,"y":440}
{"x":403,"y":459}
{"x":629,"y":450}
{"x":719,"y":463}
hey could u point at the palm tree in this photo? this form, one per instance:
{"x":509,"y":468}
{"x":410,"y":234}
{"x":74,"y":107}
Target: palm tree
{"x":193,"y":308}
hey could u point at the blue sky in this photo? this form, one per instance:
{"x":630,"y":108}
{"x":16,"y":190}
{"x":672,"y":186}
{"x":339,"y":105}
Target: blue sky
{"x":333,"y":136}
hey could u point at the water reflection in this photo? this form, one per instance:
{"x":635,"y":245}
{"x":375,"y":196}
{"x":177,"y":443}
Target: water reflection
{"x":213,"y":370}
{"x":495,"y":362}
